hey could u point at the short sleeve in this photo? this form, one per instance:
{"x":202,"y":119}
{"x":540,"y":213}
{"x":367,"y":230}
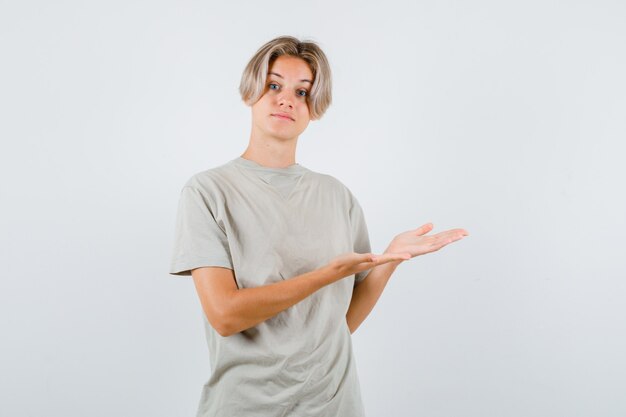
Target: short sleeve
{"x":360,"y":235}
{"x":198,"y":239}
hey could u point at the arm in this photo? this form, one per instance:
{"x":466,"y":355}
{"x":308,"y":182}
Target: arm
{"x":412,"y":242}
{"x":366,"y":294}
{"x":231,"y":310}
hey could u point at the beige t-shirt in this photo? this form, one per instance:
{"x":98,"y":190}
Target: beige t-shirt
{"x":268,"y":225}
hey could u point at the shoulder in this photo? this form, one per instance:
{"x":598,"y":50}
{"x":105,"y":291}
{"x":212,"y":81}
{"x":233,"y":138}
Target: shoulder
{"x":211,"y":180}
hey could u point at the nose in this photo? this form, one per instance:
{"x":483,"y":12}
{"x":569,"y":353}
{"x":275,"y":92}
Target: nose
{"x":285,"y":101}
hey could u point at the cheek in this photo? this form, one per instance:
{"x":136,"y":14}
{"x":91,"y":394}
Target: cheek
{"x":261,"y":107}
{"x":304,"y":109}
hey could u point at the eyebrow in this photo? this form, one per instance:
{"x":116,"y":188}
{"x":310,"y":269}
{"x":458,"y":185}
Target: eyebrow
{"x":278,"y":75}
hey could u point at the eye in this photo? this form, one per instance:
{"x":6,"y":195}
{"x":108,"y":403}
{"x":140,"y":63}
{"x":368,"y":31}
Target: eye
{"x":306,"y":93}
{"x":273,"y":84}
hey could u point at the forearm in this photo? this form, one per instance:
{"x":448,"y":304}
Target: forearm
{"x":367,"y":292}
{"x":251,"y":306}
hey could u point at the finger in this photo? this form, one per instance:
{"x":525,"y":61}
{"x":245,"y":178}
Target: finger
{"x":452,"y":235}
{"x":461,"y":232}
{"x":444,"y":239}
{"x":388,"y":257}
{"x":396,"y":256}
{"x":423,"y":229}
{"x":367,"y":257}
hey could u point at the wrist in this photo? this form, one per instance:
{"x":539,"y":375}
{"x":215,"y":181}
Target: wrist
{"x":392,"y":263}
{"x":330,"y":273}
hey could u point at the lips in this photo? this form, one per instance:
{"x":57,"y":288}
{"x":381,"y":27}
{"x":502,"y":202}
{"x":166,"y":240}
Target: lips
{"x":284,"y":116}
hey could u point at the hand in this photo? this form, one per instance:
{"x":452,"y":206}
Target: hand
{"x":415,"y":243}
{"x":351,"y":263}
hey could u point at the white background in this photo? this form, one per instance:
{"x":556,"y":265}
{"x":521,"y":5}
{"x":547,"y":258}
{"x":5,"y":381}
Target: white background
{"x":504,"y":118}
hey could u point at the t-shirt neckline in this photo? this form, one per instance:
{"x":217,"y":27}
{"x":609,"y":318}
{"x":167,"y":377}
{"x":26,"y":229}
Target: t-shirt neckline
{"x":291,"y":169}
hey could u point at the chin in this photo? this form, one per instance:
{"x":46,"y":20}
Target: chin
{"x":285,"y":137}
{"x":284,"y":134}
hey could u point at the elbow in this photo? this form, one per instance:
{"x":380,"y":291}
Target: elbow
{"x":229,"y":326}
{"x":219,"y":325}
{"x":223,"y":330}
{"x":222,"y":322}
{"x":227,"y":320}
{"x":224,"y":326}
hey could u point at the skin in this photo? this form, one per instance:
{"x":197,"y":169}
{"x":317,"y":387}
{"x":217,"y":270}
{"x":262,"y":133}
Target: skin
{"x":273,"y":140}
{"x":273,"y":143}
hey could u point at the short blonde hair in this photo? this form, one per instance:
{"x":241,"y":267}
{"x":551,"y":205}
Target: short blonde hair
{"x":252,"y":85}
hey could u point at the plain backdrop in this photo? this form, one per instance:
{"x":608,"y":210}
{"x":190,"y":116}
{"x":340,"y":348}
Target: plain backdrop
{"x":504,"y":118}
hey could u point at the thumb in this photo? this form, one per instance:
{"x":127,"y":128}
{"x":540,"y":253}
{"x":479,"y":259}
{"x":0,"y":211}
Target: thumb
{"x":424,"y":229}
{"x":367,"y":257}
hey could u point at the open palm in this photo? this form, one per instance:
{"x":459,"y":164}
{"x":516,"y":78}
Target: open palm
{"x":415,"y":242}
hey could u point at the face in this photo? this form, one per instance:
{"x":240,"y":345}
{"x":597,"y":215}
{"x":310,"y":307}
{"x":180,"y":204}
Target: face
{"x":287,"y":87}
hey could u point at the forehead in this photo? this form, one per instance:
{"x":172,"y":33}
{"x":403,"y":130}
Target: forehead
{"x":291,"y":67}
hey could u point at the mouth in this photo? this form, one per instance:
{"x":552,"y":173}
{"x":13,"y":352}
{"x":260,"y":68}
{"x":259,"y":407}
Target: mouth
{"x":283,"y":117}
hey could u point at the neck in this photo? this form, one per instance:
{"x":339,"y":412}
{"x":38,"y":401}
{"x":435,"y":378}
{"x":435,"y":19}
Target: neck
{"x":271,"y":152}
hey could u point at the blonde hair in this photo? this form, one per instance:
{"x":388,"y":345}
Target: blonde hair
{"x":252,"y":85}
